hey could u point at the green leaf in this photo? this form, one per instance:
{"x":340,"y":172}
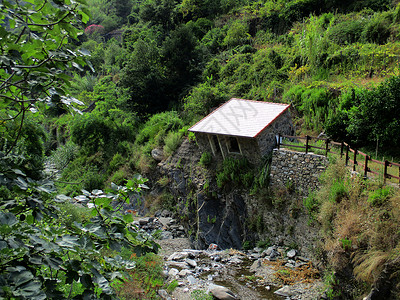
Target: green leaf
{"x":68,"y":241}
{"x":8,"y":219}
{"x":128,"y":218}
{"x":53,"y":262}
{"x":86,"y":281}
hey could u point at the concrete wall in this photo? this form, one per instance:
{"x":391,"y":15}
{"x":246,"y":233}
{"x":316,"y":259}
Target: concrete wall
{"x":300,"y":168}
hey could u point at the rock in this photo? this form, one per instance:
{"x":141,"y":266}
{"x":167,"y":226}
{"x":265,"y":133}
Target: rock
{"x":177,"y":264}
{"x":163,"y":294}
{"x":269,"y":250}
{"x":165,"y":235}
{"x":258,"y":250}
{"x":274,"y":254}
{"x":235,"y":260}
{"x":292,"y":253}
{"x":191,"y":280}
{"x":184,"y":272}
{"x":178,"y":256}
{"x":256,"y":265}
{"x":143,"y":221}
{"x":217,"y":258}
{"x":173,"y":272}
{"x":285,"y":291}
{"x":157,"y":154}
{"x":191,"y":262}
{"x":222,"y":293}
{"x":289,"y":265}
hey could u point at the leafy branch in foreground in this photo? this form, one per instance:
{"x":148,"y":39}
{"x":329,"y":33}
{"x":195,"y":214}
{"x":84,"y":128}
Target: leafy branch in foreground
{"x":42,"y":257}
{"x":35,"y":55}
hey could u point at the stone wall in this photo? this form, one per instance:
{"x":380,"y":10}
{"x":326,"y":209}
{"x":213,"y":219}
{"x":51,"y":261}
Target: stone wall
{"x":302,"y":169}
{"x":248,"y":147}
{"x":267,"y":138}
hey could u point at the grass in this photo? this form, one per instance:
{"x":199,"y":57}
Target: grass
{"x":287,"y":276}
{"x":144,"y":280}
{"x":360,"y":223}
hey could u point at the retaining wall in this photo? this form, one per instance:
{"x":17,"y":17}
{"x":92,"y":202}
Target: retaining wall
{"x":297,"y":168}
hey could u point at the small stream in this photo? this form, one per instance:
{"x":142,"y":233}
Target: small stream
{"x":244,"y":284}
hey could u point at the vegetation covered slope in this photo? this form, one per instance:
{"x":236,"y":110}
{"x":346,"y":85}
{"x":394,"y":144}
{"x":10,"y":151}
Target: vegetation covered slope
{"x":157,"y":66}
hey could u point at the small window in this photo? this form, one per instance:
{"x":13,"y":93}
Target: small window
{"x":233,"y":145}
{"x":214,"y":143}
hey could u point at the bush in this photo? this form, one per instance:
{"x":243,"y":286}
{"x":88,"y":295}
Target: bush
{"x":379,"y":196}
{"x":159,"y":124}
{"x":63,"y":155}
{"x":378,"y":28}
{"x":347,"y":32}
{"x":237,"y":34}
{"x":206,"y":159}
{"x":236,"y":171}
{"x":338,"y":190}
{"x":172,"y":141}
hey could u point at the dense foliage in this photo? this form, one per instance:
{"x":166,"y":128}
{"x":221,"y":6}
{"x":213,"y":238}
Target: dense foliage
{"x":143,"y":71}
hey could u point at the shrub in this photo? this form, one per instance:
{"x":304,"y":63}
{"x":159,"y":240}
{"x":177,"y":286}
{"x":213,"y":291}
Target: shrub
{"x":120,"y":176}
{"x":237,"y":34}
{"x":63,"y":155}
{"x":311,"y":203}
{"x":206,"y":159}
{"x":234,"y":171}
{"x":159,"y":123}
{"x":172,"y":141}
{"x":378,"y":28}
{"x":379,"y":196}
{"x":338,"y":190}
{"x":347,"y":32}
{"x":117,"y":161}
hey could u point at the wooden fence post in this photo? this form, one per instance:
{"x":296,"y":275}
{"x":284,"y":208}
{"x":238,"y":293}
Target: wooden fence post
{"x":347,"y":155}
{"x":307,"y":139}
{"x":385,"y":171}
{"x":279,"y":141}
{"x":366,"y":166}
{"x":355,"y":159}
{"x":327,"y":147}
{"x":341,"y":149}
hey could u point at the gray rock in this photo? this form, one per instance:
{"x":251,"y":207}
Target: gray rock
{"x":256,"y":265}
{"x":191,"y":280}
{"x":285,"y":291}
{"x":269,"y":250}
{"x":178,"y":256}
{"x":143,"y":221}
{"x":165,"y":235}
{"x":177,"y":264}
{"x":222,"y":293}
{"x":164,"y":294}
{"x":184,"y":272}
{"x":191,"y":262}
{"x":173,"y":272}
{"x":274,"y":254}
{"x":157,"y":154}
{"x":292,"y":253}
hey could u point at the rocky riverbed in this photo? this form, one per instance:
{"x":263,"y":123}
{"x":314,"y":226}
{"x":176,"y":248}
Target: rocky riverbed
{"x":272,"y":273}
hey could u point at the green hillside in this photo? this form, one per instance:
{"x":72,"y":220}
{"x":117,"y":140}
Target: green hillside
{"x":144,"y":71}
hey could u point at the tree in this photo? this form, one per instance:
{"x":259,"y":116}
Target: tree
{"x":42,"y":256}
{"x":35,"y":55}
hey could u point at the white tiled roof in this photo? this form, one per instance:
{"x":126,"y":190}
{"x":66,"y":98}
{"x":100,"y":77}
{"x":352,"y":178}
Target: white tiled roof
{"x":239,"y":117}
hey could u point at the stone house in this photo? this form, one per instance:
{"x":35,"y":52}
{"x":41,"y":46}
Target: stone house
{"x":243,"y":128}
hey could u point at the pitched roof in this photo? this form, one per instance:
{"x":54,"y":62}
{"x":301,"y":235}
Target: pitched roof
{"x":239,"y":117}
